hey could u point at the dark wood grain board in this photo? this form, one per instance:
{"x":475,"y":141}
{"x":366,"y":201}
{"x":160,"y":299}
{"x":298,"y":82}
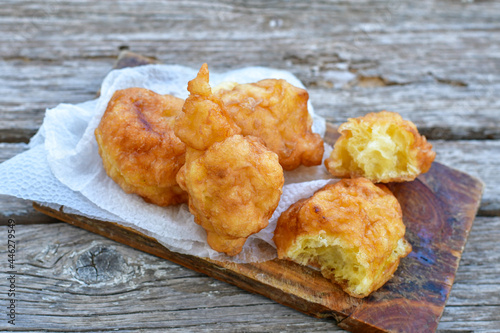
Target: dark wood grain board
{"x":439,"y":208}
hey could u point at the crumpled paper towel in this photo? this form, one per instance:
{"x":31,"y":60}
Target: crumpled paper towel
{"x":63,"y":167}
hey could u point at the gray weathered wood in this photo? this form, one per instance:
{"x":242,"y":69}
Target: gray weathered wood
{"x":477,"y":158}
{"x":474,"y":303}
{"x":20,"y":210}
{"x":30,"y":87}
{"x":429,"y":61}
{"x":435,"y":62}
{"x":67,"y":276}
{"x":8,"y":150}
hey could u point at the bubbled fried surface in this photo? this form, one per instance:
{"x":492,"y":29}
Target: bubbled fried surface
{"x":381,"y":147}
{"x":352,"y":230}
{"x":204,"y":119}
{"x":234,"y":182}
{"x":234,"y":188}
{"x":139,"y":149}
{"x":276,"y":112}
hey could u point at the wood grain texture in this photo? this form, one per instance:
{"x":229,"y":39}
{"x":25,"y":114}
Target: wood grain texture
{"x":438,"y":210}
{"x":480,"y":159}
{"x":119,"y":288}
{"x":20,"y":210}
{"x":435,"y":62}
{"x":59,"y":291}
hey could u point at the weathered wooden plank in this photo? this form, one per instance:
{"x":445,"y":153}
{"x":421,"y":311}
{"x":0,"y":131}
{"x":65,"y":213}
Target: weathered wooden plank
{"x":59,"y":290}
{"x":480,"y":159}
{"x":433,"y":62}
{"x":482,"y":249}
{"x":8,"y":150}
{"x":440,"y":112}
{"x":67,"y":276}
{"x":20,"y":210}
{"x":377,"y":22}
{"x":446,"y":112}
{"x":474,"y":302}
{"x":28,"y":88}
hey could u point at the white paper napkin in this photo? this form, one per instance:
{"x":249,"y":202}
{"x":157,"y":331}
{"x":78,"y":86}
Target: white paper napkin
{"x":63,"y":167}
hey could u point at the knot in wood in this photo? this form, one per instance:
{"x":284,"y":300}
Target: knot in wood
{"x":99,"y":264}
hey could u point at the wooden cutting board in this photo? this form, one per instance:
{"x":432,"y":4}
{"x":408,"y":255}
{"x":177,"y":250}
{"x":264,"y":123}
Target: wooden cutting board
{"x":438,"y":209}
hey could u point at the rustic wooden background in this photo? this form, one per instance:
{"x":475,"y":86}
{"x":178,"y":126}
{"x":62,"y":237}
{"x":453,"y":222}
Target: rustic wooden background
{"x":435,"y":62}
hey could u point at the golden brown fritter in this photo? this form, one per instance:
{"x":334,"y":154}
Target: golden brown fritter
{"x":234,"y":188}
{"x":234,"y":182}
{"x":352,"y":230}
{"x":276,"y":112}
{"x":381,"y":147}
{"x":204,"y":119}
{"x":139,"y":149}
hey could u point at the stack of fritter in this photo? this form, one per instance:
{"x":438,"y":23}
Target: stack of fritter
{"x":224,"y":151}
{"x":234,"y":182}
{"x":230,"y":143}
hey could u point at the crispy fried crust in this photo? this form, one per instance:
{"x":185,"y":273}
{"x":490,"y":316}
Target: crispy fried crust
{"x":234,"y":188}
{"x":352,"y":230}
{"x":381,"y":147}
{"x":204,"y":119}
{"x":276,"y":112}
{"x":234,"y":182}
{"x":139,"y":149}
